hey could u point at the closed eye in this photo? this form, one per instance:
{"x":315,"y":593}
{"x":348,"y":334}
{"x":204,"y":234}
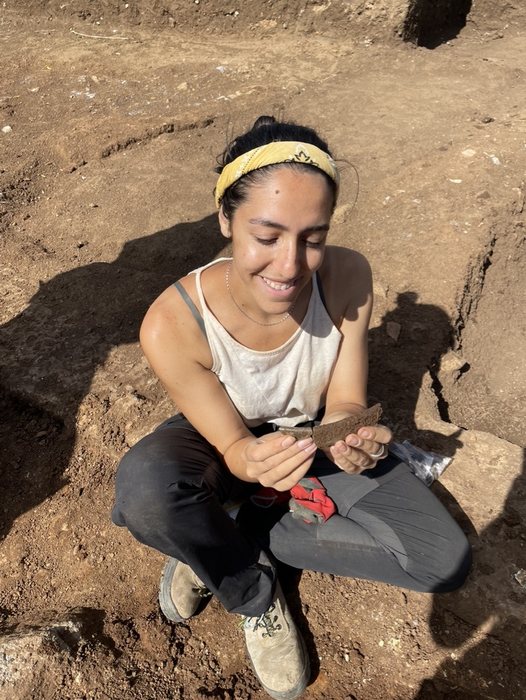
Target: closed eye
{"x":266,"y":241}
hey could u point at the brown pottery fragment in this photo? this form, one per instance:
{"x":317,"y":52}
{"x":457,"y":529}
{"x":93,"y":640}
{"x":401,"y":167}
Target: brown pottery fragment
{"x":329,"y":434}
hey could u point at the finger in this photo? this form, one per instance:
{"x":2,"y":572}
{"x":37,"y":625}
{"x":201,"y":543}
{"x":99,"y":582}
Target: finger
{"x":351,"y":459}
{"x":294,"y":477}
{"x":285,"y":470}
{"x":377,"y":433}
{"x":373,"y":450}
{"x":370,"y":440}
{"x":283,"y":448}
{"x":271,"y":444}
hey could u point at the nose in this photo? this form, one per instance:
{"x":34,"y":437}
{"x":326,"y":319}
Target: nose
{"x":289,"y":261}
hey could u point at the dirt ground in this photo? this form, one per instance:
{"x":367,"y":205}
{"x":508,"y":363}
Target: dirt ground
{"x":111,"y":116}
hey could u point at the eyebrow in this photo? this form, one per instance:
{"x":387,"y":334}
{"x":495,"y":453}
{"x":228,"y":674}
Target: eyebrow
{"x":273,"y":224}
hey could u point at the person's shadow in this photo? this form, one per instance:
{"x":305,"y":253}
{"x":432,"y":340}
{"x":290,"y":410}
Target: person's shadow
{"x":404,"y":353}
{"x":489,"y":613}
{"x":494,"y":666}
{"x":51,"y":350}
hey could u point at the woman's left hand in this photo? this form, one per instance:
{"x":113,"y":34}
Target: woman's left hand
{"x":361,"y":450}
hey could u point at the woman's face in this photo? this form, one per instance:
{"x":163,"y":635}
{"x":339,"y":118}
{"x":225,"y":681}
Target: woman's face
{"x":278,"y":237}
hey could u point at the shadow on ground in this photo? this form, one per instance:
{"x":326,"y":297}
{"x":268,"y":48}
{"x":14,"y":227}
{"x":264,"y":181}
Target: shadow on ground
{"x":51,"y":350}
{"x":496,"y":663}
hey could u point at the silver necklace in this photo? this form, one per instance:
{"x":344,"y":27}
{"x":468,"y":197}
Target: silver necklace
{"x":274,"y":323}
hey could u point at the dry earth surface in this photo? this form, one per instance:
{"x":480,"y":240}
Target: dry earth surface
{"x":111,"y":115}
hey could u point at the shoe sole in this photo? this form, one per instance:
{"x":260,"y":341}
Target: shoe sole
{"x":299,"y":688}
{"x":165,"y":595}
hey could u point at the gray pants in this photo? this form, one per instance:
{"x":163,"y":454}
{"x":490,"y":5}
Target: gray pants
{"x":170,"y":491}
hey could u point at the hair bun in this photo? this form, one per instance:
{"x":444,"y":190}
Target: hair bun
{"x":263,"y":121}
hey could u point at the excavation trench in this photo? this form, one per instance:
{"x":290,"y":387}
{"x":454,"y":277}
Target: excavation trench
{"x":482,"y":380}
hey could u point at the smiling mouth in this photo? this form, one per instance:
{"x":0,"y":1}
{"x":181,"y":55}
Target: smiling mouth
{"x":280,"y":287}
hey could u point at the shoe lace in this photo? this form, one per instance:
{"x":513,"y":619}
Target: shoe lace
{"x":202,"y":591}
{"x":268,"y":622}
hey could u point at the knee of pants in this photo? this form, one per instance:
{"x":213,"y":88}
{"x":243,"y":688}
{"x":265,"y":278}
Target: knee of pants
{"x":151,"y":489}
{"x":446,"y":572}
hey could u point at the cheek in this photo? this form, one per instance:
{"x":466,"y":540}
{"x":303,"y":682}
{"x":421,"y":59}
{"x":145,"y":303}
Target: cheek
{"x":255,"y":258}
{"x":248,"y":256}
{"x":249,"y":252}
{"x":315,"y":258}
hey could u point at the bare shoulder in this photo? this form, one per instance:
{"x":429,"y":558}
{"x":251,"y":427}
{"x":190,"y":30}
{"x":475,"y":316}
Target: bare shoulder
{"x":340,"y":260}
{"x":346,"y":279}
{"x":169,"y":325}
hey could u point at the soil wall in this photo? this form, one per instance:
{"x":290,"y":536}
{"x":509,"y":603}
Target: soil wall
{"x":489,"y":15}
{"x":417,"y":21}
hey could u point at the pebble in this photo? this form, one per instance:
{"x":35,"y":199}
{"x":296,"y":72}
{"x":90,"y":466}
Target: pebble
{"x":6,"y":129}
{"x":342,"y":214}
{"x":451,"y":362}
{"x":393,"y":330}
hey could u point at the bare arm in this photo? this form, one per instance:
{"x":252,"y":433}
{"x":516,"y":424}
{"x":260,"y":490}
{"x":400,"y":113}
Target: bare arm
{"x":349,"y":293}
{"x":180,"y":357}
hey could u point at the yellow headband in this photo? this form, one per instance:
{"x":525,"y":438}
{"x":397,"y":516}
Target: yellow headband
{"x":271,"y":154}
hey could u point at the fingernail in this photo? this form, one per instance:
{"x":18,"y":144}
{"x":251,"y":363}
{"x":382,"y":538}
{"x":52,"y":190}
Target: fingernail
{"x":306,"y":441}
{"x":354,"y":442}
{"x":366,"y":433}
{"x":288,"y":441}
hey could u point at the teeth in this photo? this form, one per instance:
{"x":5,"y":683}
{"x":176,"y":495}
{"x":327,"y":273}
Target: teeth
{"x":279,"y":287}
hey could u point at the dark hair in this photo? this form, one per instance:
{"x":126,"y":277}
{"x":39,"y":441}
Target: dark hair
{"x":265,"y":130}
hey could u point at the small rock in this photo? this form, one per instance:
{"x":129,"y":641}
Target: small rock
{"x":483,"y":194}
{"x":6,"y":129}
{"x":494,"y":159}
{"x":393,"y":330}
{"x":379,"y":289}
{"x":183,"y":86}
{"x":452,"y":362}
{"x":469,"y":153}
{"x":342,"y":214}
{"x":449,"y":619}
{"x":520,"y":577}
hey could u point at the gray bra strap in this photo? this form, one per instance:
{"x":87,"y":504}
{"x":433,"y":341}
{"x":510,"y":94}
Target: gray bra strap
{"x":193,"y":308}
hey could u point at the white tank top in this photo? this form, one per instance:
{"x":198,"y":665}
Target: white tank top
{"x":285,"y":386}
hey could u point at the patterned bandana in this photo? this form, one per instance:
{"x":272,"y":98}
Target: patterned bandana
{"x":270,"y":154}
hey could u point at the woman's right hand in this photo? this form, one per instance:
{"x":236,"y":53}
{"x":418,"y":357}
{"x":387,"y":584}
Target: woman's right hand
{"x":278,"y":460}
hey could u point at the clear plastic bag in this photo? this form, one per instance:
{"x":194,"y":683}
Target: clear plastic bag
{"x":428,"y":466}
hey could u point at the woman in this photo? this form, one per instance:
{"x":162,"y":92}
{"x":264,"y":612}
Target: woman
{"x":274,"y":337}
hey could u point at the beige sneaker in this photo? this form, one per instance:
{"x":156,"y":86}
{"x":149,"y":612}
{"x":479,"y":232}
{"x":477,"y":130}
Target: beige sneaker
{"x":277,"y":651}
{"x":180,"y":591}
